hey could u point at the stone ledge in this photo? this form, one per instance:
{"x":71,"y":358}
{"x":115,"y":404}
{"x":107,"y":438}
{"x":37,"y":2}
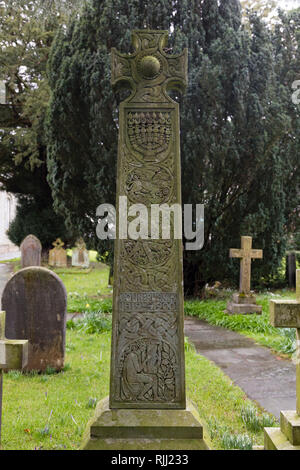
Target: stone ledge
{"x":135,"y":429}
{"x":13,"y":354}
{"x":290,"y":426}
{"x":243,"y":309}
{"x":276,"y":440}
{"x":240,"y":298}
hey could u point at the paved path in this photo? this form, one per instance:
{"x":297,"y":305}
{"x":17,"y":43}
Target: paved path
{"x":5,"y":271}
{"x":265,"y":378}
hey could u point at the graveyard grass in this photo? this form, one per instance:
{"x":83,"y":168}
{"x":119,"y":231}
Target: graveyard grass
{"x":257,"y":327}
{"x":50,"y":411}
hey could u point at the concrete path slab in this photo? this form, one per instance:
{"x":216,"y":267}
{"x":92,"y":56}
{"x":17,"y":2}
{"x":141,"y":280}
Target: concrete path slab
{"x":265,"y":378}
{"x":5,"y":272}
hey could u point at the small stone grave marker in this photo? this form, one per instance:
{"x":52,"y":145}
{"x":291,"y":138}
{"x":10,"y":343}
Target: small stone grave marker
{"x":35,"y":301}
{"x":245,"y":301}
{"x":58,"y":255}
{"x":31,"y":250}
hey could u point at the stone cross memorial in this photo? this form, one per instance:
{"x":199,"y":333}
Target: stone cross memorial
{"x":31,"y":250}
{"x":245,"y":301}
{"x":13,"y":355}
{"x":58,"y":255}
{"x":80,"y":255}
{"x":286,"y":314}
{"x":35,"y":301}
{"x":147,"y":404}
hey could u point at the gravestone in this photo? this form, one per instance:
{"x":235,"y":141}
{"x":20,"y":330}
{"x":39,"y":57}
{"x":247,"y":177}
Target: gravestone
{"x":147,"y":404}
{"x":58,"y":255}
{"x":13,"y":355}
{"x":80,"y":255}
{"x":245,"y":301}
{"x":286,"y":314}
{"x":31,"y":250}
{"x":35,"y":301}
{"x":291,"y":262}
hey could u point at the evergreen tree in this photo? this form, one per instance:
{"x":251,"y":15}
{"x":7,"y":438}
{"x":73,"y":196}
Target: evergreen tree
{"x":27,"y":29}
{"x":235,"y":129}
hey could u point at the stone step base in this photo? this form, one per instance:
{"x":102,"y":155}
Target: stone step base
{"x":276,"y":440}
{"x":137,"y":429}
{"x":290,"y":426}
{"x":243,"y":309}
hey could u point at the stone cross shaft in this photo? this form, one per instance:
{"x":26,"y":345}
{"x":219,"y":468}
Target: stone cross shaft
{"x":13,"y":355}
{"x":246,"y":253}
{"x":286,"y":314}
{"x":147,"y":367}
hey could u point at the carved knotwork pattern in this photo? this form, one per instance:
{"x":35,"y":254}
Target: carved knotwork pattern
{"x":137,"y":279}
{"x":147,"y":352}
{"x":147,"y":253}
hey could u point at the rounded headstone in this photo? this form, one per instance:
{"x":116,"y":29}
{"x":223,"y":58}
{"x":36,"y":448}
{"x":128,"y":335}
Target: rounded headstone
{"x":31,"y":250}
{"x":35,"y":301}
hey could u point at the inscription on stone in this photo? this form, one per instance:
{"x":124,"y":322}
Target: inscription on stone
{"x":148,"y":302}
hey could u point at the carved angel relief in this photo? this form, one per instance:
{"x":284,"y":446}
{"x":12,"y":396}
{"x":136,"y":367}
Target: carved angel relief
{"x":148,"y":357}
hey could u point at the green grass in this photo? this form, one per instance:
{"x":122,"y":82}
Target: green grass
{"x":255,"y":326}
{"x":86,"y":292}
{"x":50,"y":411}
{"x":13,"y":260}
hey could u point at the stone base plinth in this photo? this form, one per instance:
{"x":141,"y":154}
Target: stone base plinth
{"x":287,"y":437}
{"x":243,"y":304}
{"x":136,"y":429}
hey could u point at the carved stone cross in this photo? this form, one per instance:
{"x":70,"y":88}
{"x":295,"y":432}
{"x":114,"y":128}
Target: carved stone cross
{"x":286,"y":314}
{"x":246,"y":253}
{"x":58,"y":243}
{"x":13,"y":355}
{"x":147,"y":367}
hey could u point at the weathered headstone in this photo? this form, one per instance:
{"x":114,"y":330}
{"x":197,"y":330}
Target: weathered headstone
{"x":245,"y":302}
{"x":286,"y":314}
{"x":35,"y":301}
{"x":80,"y":255}
{"x":291,"y":264}
{"x":147,"y":404}
{"x":13,"y":355}
{"x":58,"y":255}
{"x":31,"y":250}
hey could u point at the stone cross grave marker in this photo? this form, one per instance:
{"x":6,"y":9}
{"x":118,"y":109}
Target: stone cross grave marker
{"x":147,"y":388}
{"x":58,"y":255}
{"x":148,"y":359}
{"x":80,"y":255}
{"x":31,"y":250}
{"x":13,"y":355}
{"x":286,"y":314}
{"x":245,"y":301}
{"x":246,"y":253}
{"x":35,"y":301}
